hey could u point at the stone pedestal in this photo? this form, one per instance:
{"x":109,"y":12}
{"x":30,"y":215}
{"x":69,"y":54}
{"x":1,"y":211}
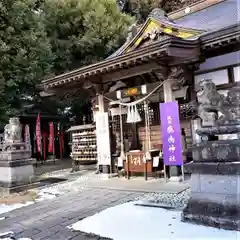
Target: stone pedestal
{"x":215,"y":179}
{"x":16,"y":168}
{"x":215,"y":195}
{"x":16,"y":165}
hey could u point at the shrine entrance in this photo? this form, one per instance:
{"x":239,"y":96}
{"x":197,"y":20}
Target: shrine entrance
{"x":136,"y":124}
{"x":155,"y":65}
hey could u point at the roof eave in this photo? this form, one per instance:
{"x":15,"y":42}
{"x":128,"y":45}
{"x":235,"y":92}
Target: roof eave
{"x":195,"y":7}
{"x":224,"y":35}
{"x":152,"y":51}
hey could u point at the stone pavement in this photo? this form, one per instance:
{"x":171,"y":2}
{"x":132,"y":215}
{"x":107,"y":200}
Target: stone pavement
{"x":87,"y":178}
{"x":137,"y":184}
{"x":49,"y":166}
{"x":49,"y":219}
{"x":62,"y":167}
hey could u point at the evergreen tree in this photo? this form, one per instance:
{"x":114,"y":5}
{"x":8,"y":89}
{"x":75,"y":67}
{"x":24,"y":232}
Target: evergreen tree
{"x":25,"y":52}
{"x":39,"y":38}
{"x":83,"y":32}
{"x":141,"y":8}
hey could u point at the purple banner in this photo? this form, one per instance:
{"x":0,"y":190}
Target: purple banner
{"x":171,"y":134}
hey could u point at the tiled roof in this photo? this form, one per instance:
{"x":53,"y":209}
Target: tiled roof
{"x":221,"y":15}
{"x":156,"y":14}
{"x":210,"y":19}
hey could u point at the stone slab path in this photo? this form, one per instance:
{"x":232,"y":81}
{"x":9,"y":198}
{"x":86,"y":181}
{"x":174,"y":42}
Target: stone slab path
{"x":49,"y":219}
{"x":137,"y":184}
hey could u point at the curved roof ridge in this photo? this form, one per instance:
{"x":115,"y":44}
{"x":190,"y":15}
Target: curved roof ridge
{"x":159,"y":16}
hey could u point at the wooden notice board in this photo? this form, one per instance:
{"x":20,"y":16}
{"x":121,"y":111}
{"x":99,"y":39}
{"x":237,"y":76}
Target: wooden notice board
{"x":135,"y":163}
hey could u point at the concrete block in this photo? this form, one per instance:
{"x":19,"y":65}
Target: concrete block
{"x":220,"y":184}
{"x":16,"y":174}
{"x":195,"y":182}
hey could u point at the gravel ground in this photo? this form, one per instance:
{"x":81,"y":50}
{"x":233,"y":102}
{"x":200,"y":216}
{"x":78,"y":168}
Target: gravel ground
{"x":165,"y":199}
{"x":170,"y":200}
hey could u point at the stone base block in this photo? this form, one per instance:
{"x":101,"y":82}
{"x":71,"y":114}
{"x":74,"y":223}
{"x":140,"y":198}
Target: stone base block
{"x":217,"y":184}
{"x":174,"y":174}
{"x":214,"y":201}
{"x":105,"y":176}
{"x":219,"y":214}
{"x":213,"y":168}
{"x":14,"y":177}
{"x":15,"y":155}
{"x":175,"y":179}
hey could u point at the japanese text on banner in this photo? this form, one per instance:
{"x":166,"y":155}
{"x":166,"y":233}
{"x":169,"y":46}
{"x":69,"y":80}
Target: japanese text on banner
{"x":171,"y":135}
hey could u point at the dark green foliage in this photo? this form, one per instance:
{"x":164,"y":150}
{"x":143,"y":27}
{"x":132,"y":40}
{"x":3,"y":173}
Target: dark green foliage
{"x":141,"y":8}
{"x":83,"y":32}
{"x":40,"y":38}
{"x":25,"y":52}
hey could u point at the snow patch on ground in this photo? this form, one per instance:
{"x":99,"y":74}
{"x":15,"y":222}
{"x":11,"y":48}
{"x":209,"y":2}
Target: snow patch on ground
{"x":43,"y":194}
{"x":10,"y":236}
{"x":7,"y":208}
{"x":130,"y":222}
{"x":75,"y":185}
{"x":48,"y":193}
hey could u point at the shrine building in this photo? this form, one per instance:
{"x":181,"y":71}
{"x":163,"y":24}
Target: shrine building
{"x":163,"y":60}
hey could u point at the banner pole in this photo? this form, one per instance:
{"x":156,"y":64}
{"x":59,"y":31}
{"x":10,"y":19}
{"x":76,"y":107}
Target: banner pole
{"x":111,"y":170}
{"x":183,"y":175}
{"x":164,"y":171}
{"x":53,"y":144}
{"x":54,"y":156}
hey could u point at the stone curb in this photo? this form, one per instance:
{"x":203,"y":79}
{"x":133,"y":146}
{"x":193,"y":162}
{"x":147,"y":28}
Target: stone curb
{"x":134,"y":190}
{"x":51,"y":174}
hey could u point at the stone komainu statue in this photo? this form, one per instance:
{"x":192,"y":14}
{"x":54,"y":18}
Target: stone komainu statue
{"x":13,"y":131}
{"x":211,"y":102}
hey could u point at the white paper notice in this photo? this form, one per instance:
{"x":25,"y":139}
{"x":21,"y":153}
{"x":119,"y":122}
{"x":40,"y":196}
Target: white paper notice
{"x":155,"y":161}
{"x":103,"y":138}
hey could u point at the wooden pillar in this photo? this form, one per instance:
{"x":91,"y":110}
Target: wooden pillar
{"x":61,"y":144}
{"x":167,"y":90}
{"x":101,"y":105}
{"x":135,"y":144}
{"x":44,"y":146}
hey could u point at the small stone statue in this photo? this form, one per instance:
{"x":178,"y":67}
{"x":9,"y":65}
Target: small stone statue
{"x":216,"y":160}
{"x":13,"y":131}
{"x":211,"y":102}
{"x":132,"y":32}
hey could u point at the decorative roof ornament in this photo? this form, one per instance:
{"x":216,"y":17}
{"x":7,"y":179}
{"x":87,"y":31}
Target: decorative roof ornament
{"x":187,"y":10}
{"x":121,"y":4}
{"x":159,"y":14}
{"x":88,"y":84}
{"x":132,"y":32}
